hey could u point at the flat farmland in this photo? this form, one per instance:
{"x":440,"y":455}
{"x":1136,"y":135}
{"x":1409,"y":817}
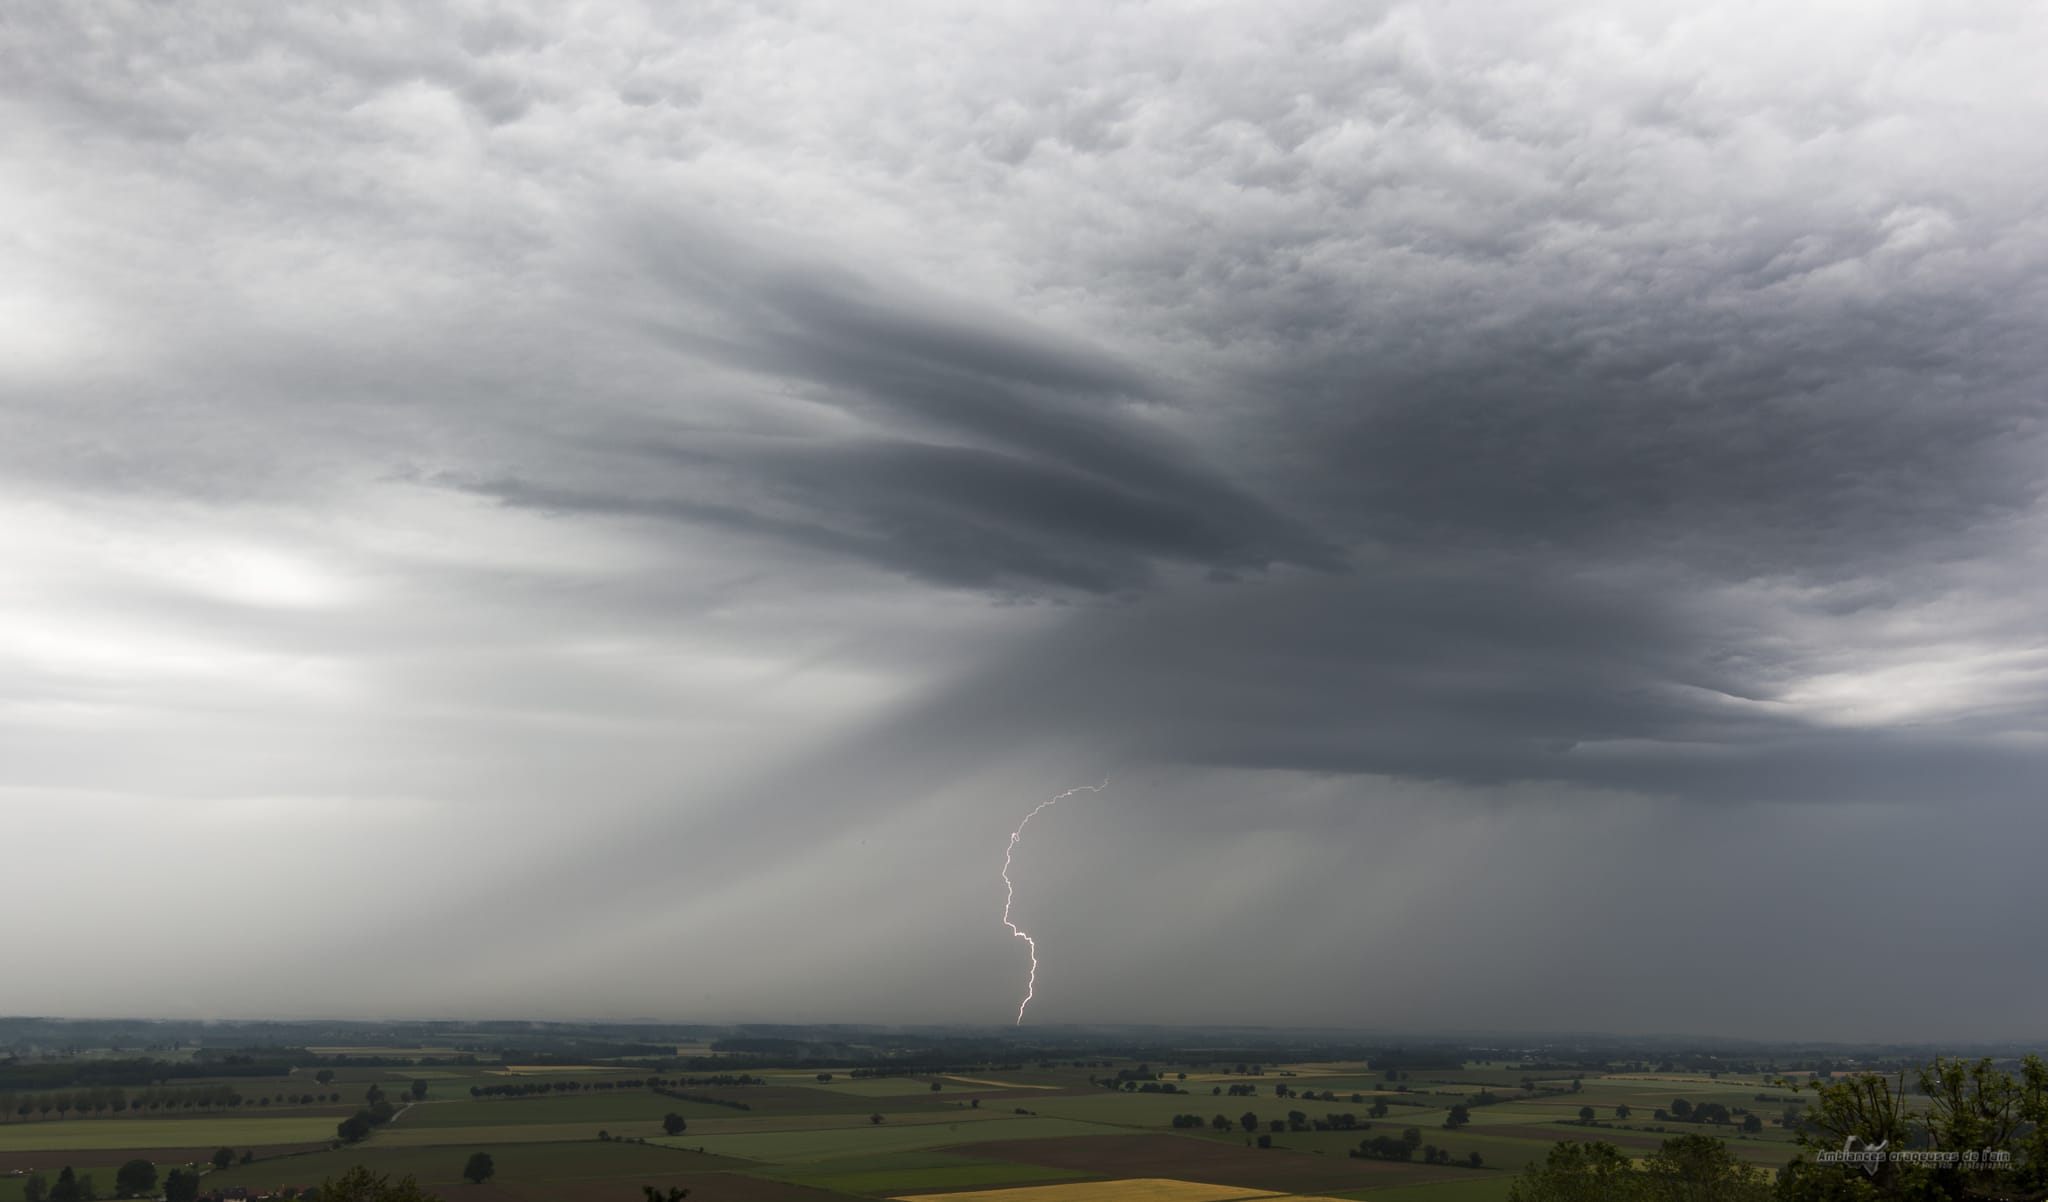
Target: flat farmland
{"x":1180,"y":1157}
{"x":403,"y":1134}
{"x":209,"y":1130}
{"x":1478,"y":1189}
{"x":866,"y":1087}
{"x":400,"y":1136}
{"x":1151,"y":1110}
{"x":622,"y":1105}
{"x":749,"y":1124}
{"x":801,"y":1098}
{"x":529,"y":1163}
{"x":949,"y":1173}
{"x":1129,"y":1189}
{"x":800,"y":1145}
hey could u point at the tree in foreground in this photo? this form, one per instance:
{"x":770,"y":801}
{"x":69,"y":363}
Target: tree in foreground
{"x":359,"y":1184}
{"x":36,"y":1188}
{"x":1700,"y":1167}
{"x":672,"y":1194}
{"x":479,"y":1169}
{"x":181,"y":1186}
{"x":68,"y":1188}
{"x":135,"y":1178}
{"x":1575,"y":1172}
{"x":673,"y":1123}
{"x":1689,"y":1168}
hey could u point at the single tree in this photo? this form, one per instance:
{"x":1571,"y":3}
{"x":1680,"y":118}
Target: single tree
{"x":1248,"y":1120}
{"x":65,"y":1189}
{"x":1412,"y":1136}
{"x":324,"y":1076}
{"x":1458,"y":1116}
{"x":181,"y":1186}
{"x":1265,"y":1141}
{"x":1621,"y":1111}
{"x":419,"y":1090}
{"x":36,"y":1188}
{"x":1586,"y":1115}
{"x":135,"y":1178}
{"x":673,"y":1194}
{"x":673,"y":1123}
{"x":479,"y":1169}
{"x":1751,"y":1124}
{"x":223,"y":1157}
{"x":1221,"y":1122}
{"x":876,"y":1119}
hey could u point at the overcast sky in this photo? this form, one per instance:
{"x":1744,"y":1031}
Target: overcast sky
{"x":616,"y":510}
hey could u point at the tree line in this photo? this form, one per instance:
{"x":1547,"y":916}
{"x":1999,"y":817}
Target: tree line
{"x":112,"y":1099}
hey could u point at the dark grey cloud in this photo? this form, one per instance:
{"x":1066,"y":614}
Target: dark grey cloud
{"x":1004,"y":457}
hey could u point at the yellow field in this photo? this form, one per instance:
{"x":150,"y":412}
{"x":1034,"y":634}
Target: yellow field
{"x":998,"y":1084}
{"x":1133,"y":1189}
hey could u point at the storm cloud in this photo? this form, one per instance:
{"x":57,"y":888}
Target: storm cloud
{"x":619,"y":492}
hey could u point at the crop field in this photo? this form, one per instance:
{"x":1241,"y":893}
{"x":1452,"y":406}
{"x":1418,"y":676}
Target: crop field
{"x":866,"y":1087}
{"x":569,"y":1168}
{"x":84,"y":1134}
{"x":1211,"y":1160}
{"x":601,"y":1107}
{"x":1130,"y":1189}
{"x":812,"y":1144}
{"x":949,"y":1173}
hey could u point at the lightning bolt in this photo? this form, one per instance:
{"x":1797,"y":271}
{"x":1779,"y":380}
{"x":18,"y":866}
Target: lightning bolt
{"x":1010,"y":889}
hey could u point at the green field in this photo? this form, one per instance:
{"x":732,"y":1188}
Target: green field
{"x":443,"y":1166}
{"x":206,"y":1131}
{"x":598,"y":1107}
{"x":786,"y":1147}
{"x":866,"y":1087}
{"x":917,"y":1171}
